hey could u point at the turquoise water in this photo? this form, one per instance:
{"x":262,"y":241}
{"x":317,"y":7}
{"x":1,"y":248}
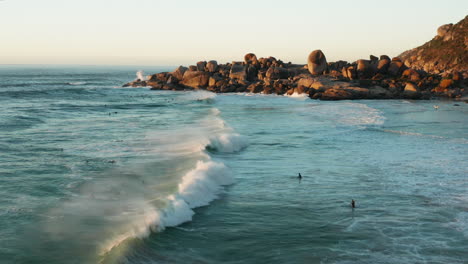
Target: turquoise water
{"x":94,"y":173}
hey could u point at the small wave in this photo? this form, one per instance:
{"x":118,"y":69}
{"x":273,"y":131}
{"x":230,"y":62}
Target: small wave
{"x":460,"y":223}
{"x":77,"y":83}
{"x":409,"y":133}
{"x":199,"y":96}
{"x":215,"y":111}
{"x":297,"y":95}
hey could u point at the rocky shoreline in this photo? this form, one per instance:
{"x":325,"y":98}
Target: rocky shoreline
{"x":374,"y":78}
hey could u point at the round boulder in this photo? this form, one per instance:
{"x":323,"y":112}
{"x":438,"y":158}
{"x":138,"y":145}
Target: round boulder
{"x":316,"y":62}
{"x":212,"y":66}
{"x":250,"y":58}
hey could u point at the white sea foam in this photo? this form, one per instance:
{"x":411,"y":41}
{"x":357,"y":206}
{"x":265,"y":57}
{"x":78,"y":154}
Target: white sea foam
{"x":77,"y":83}
{"x":350,"y":113}
{"x":215,"y":111}
{"x":297,"y":95}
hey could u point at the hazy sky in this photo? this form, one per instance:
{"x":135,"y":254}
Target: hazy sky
{"x":154,"y":32}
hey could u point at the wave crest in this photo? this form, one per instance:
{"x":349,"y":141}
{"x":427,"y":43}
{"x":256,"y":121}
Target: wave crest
{"x":227,"y":143}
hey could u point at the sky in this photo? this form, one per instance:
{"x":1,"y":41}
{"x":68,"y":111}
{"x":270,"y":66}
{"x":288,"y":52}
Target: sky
{"x":173,"y":32}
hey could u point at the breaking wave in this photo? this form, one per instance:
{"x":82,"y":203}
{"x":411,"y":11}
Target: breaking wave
{"x":179,"y":172}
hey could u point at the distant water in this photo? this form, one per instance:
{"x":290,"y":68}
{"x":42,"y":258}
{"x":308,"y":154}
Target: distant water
{"x":94,"y":173}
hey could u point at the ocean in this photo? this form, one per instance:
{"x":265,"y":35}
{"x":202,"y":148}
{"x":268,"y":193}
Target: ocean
{"x":94,"y":173}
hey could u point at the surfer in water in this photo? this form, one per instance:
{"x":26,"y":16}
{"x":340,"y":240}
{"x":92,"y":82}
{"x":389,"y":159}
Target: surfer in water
{"x":299,"y":176}
{"x":353,"y":204}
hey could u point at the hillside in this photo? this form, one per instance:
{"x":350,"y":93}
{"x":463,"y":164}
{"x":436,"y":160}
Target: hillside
{"x":446,"y":52}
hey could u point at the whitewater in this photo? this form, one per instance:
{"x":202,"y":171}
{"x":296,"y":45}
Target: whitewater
{"x":95,"y":173}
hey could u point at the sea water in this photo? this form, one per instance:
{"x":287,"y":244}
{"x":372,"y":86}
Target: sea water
{"x":94,"y":173}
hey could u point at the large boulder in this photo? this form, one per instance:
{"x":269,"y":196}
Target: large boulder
{"x":267,"y":62}
{"x":215,"y":81}
{"x":201,"y":65}
{"x":344,"y":93}
{"x":179,"y":72}
{"x":250,"y":58}
{"x":195,"y":79}
{"x":445,"y":33}
{"x":212,"y":66}
{"x":411,"y":91}
{"x":305,"y":82}
{"x":412,"y":75}
{"x":238,"y":71}
{"x":255,"y":87}
{"x":252,"y":72}
{"x":364,"y":69}
{"x":275,"y":73}
{"x":383,"y":64}
{"x":336,"y":94}
{"x":349,"y":72}
{"x":316,"y":62}
{"x":396,"y":67}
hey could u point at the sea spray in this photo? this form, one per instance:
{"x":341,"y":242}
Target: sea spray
{"x":140,"y":75}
